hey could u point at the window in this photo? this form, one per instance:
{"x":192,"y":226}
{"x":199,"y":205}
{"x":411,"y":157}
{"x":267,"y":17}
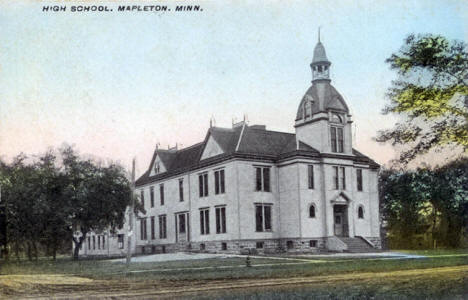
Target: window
{"x":181,"y":218}
{"x":94,"y":242}
{"x":307,"y":109}
{"x":205,"y":221}
{"x":156,"y":168}
{"x":203,"y":184}
{"x":181,"y":190}
{"x":143,"y":229}
{"x":220,"y":219}
{"x":103,"y":242}
{"x":153,"y":231}
{"x":262,"y":217}
{"x":313,"y":243}
{"x":259,"y":245}
{"x":337,"y":118}
{"x":289,"y":244}
{"x":162,"y":227}
{"x":120,"y":241}
{"x":152,"y":196}
{"x":161,"y":193}
{"x":343,"y":178}
{"x":142,"y":197}
{"x":219,"y":182}
{"x":89,"y":243}
{"x":262,"y":179}
{"x":202,"y":247}
{"x":339,"y":177}
{"x":99,"y":242}
{"x":312,"y":211}
{"x":336,"y":139}
{"x":335,"y":178}
{"x":360,"y":212}
{"x":310,"y":173}
{"x":224,"y":246}
{"x":359,"y":179}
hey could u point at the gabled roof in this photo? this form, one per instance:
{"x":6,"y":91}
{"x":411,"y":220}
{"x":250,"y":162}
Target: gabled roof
{"x":254,"y":143}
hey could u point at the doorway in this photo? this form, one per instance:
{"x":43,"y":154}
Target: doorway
{"x":182,"y":227}
{"x":340,"y":220}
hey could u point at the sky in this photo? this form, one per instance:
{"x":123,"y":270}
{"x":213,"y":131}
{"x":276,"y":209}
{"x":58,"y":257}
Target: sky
{"x":113,"y":84}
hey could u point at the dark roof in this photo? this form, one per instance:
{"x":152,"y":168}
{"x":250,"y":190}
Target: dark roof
{"x":254,"y":143}
{"x":324,"y":96}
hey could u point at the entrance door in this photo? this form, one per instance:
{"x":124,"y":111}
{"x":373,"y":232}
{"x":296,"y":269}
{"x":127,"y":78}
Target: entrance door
{"x":182,"y":227}
{"x":338,"y":223}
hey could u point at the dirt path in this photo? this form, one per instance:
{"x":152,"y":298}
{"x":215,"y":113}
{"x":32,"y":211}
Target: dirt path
{"x":85,"y":289}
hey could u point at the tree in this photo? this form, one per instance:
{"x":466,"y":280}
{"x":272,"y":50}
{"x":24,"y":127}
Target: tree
{"x":98,"y":196}
{"x":431,"y":95}
{"x":427,"y":207}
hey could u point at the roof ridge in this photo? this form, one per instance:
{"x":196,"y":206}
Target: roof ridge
{"x":222,"y":129}
{"x":276,"y":131}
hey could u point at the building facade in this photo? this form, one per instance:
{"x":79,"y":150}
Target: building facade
{"x":248,"y":187}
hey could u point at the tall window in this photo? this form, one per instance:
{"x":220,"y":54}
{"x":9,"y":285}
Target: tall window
{"x":205,"y":221}
{"x":99,"y":242}
{"x":343,"y":178}
{"x":262,"y":217}
{"x":221,"y":219}
{"x":360,"y":212}
{"x":120,"y":241}
{"x":359,"y":179}
{"x":219,"y":182}
{"x":339,"y":178}
{"x":143,"y":235}
{"x":181,"y":190}
{"x":142,"y":197}
{"x":89,"y":243}
{"x":312,"y":211}
{"x":181,"y":218}
{"x":94,"y":242}
{"x":203,"y":184}
{"x":152,"y":196}
{"x":336,"y":139}
{"x":103,"y":242}
{"x":162,"y":227}
{"x":335,"y":178}
{"x":310,"y":176}
{"x":262,"y":179}
{"x":161,"y":193}
{"x":307,"y":109}
{"x":153,"y":234}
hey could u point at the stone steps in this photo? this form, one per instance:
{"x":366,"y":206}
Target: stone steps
{"x":357,"y":245}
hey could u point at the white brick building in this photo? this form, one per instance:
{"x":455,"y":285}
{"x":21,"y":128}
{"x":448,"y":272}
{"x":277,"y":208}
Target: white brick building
{"x":248,"y":187}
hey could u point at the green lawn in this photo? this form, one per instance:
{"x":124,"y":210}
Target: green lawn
{"x":358,"y":280}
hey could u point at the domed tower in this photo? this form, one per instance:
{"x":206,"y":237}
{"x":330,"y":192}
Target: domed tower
{"x":323,"y":120}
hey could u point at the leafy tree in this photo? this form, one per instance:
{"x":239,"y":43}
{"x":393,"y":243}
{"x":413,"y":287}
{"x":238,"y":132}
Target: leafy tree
{"x":51,"y":205}
{"x":426,"y":207}
{"x":431,"y":95}
{"x":98,"y":196}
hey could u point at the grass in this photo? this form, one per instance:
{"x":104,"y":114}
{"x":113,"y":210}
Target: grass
{"x":29,"y":276}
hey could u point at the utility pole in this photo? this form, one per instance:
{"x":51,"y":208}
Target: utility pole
{"x":130,"y":216}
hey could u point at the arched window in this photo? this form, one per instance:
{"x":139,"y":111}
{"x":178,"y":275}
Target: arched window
{"x":337,"y":118}
{"x":312,"y":211}
{"x":360,"y":212}
{"x":156,"y":168}
{"x":307,"y":109}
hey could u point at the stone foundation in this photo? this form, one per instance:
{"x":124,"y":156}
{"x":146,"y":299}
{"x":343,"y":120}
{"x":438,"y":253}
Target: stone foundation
{"x":261,"y":246}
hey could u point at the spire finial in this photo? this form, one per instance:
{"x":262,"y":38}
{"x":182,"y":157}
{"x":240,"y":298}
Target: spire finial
{"x":319,"y":34}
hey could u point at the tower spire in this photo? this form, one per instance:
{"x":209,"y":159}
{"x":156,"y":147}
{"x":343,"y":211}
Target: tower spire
{"x":319,"y":34}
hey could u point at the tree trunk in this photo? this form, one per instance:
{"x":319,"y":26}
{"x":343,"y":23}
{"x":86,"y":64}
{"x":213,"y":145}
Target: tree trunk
{"x":28,"y":250}
{"x":78,"y":244}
